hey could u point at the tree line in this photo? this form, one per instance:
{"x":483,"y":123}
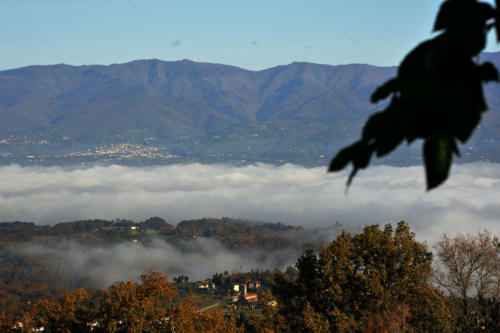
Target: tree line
{"x":380,"y":280}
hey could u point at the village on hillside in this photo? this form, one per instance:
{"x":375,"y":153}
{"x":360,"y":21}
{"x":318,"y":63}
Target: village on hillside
{"x":244,"y":295}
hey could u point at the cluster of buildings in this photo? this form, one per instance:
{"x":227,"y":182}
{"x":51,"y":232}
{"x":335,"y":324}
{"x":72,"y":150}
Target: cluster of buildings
{"x":206,"y":285}
{"x":247,"y":297}
{"x":246,"y":293}
{"x":13,"y":140}
{"x":124,"y":151}
{"x":121,"y":151}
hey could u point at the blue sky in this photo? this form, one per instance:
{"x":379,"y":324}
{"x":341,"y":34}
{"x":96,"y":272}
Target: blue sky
{"x":253,"y":34}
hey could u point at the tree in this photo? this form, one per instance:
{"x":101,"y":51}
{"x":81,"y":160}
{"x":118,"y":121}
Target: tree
{"x":268,"y":320}
{"x":70,"y":314}
{"x":376,"y":276}
{"x":468,"y":270}
{"x":132,"y":307}
{"x":186,"y":318}
{"x":125,"y":307}
{"x":6,"y":323}
{"x":181,"y":279}
{"x":437,"y":95}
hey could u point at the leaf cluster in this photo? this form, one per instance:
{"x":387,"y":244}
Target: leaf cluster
{"x":437,"y":95}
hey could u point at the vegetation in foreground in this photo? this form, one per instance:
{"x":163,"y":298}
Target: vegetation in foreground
{"x":380,"y":280}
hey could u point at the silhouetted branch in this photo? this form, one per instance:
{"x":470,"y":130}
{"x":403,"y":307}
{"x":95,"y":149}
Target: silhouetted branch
{"x":437,"y":95}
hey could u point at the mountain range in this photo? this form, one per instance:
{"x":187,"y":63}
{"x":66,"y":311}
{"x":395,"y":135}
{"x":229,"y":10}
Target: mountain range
{"x":301,"y":112}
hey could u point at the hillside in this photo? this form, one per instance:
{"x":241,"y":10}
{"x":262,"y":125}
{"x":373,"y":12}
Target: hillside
{"x":75,"y":254}
{"x":152,"y":111}
{"x":231,"y":233}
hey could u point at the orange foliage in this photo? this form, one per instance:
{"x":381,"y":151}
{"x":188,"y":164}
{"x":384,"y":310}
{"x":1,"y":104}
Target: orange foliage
{"x":60,"y":316}
{"x":136,"y":307}
{"x":186,"y":318}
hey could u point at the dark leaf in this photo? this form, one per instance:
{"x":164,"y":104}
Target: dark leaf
{"x":363,"y":154}
{"x":438,"y":152}
{"x":489,"y":72}
{"x":386,"y":130}
{"x":385,"y":90}
{"x":437,"y":94}
{"x":453,"y":13}
{"x":343,"y":157}
{"x":444,"y":17}
{"x":373,"y":126}
{"x":388,"y":143}
{"x":358,"y":154}
{"x":497,"y":19}
{"x":351,"y":177}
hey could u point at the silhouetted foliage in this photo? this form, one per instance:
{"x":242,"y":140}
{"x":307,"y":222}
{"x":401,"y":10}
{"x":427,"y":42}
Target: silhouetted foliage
{"x":437,"y":95}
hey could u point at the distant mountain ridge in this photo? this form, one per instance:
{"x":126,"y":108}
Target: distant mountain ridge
{"x":195,"y":108}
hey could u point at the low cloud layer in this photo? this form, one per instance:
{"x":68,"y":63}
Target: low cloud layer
{"x":469,"y":200}
{"x":100,"y":266}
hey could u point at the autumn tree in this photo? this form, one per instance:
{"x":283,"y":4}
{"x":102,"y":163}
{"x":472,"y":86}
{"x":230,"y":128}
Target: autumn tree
{"x":267,"y":319}
{"x":468,"y":269}
{"x":6,"y":323}
{"x":378,"y":276}
{"x":136,"y":307}
{"x":70,"y":314}
{"x":187,"y":319}
{"x":130,"y":306}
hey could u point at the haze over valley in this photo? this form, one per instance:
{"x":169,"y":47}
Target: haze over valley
{"x":289,"y":194}
{"x":306,"y":207}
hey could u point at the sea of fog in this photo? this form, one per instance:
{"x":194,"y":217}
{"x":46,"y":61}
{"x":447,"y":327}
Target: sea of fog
{"x":467,"y":203}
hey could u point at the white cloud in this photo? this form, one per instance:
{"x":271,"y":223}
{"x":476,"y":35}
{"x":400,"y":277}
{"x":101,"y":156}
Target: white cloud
{"x":467,"y":202}
{"x":100,"y":266}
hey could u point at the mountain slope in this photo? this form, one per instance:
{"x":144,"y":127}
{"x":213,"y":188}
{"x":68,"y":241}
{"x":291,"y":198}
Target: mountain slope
{"x":196,"y":108}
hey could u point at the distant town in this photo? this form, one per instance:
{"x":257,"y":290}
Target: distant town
{"x":28,"y":151}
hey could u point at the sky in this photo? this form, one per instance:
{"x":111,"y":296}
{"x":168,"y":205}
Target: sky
{"x":255,"y":34}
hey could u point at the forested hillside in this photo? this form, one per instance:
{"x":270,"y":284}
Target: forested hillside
{"x":152,"y":111}
{"x":378,"y":280}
